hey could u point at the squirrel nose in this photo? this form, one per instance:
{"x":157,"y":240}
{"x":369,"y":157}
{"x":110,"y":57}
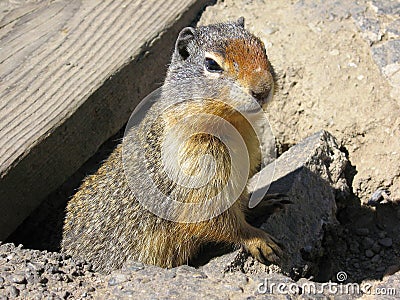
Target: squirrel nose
{"x":260,"y":96}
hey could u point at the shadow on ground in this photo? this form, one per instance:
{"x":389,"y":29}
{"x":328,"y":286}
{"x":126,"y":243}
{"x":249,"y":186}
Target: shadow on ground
{"x":42,"y":230}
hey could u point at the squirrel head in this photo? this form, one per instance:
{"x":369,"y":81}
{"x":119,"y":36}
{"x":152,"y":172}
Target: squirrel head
{"x":223,"y":52}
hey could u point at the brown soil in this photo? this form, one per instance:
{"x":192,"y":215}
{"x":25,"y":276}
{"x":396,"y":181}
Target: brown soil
{"x":329,"y":80}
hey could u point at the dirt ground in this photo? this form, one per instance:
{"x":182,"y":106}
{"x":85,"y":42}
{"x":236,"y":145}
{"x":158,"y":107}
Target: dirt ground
{"x":328,"y":80}
{"x":330,"y":77}
{"x":335,"y":72}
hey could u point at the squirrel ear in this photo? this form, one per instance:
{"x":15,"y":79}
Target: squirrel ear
{"x":185,"y":36}
{"x":240,"y":21}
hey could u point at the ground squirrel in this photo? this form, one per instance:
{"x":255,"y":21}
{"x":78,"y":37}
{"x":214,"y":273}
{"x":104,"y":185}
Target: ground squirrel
{"x":106,"y":224}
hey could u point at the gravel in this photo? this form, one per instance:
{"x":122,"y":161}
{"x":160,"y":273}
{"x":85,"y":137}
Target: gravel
{"x":386,"y":242}
{"x":33,"y":274}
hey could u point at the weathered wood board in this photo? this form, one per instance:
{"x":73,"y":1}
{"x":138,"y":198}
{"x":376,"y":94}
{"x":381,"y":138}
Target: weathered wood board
{"x":71,"y":72}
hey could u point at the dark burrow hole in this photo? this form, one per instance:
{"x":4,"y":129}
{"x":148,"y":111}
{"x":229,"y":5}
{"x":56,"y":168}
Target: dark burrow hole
{"x":42,"y":230}
{"x":365,"y":243}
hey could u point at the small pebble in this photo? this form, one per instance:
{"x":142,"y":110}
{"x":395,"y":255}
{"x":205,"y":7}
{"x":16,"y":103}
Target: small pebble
{"x":376,"y":258}
{"x":65,"y":294}
{"x":233,"y":288}
{"x":88,"y":267}
{"x":354,"y":247}
{"x":367,"y":242}
{"x":386,"y":242}
{"x":35,"y":267}
{"x":199,"y":275}
{"x":186,"y":270}
{"x":133,"y":266}
{"x":334,"y":52}
{"x":43,"y":280}
{"x":382,"y":234}
{"x":14,"y":292}
{"x":369,"y":253}
{"x":17,"y":278}
{"x":376,"y":248}
{"x":118,"y":279}
{"x":58,"y":277}
{"x":270,"y":30}
{"x":10,"y":256}
{"x":32,"y":278}
{"x":128,"y":293}
{"x":52,"y":269}
{"x":54,"y":296}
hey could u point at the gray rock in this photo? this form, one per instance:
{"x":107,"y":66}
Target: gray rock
{"x":17,"y":278}
{"x":394,"y":27}
{"x":371,"y":29}
{"x":376,"y":248}
{"x":354,"y":247}
{"x":376,"y":258}
{"x":387,"y":7}
{"x":14,"y":292}
{"x":386,"y":242}
{"x":311,"y":173}
{"x":382,"y":234}
{"x":133,"y":266}
{"x":387,"y":53}
{"x":367,"y":242}
{"x":34,"y":266}
{"x":369,"y":253}
{"x":118,"y":278}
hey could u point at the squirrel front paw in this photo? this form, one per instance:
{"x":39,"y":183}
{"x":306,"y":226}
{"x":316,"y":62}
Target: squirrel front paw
{"x":263,"y":247}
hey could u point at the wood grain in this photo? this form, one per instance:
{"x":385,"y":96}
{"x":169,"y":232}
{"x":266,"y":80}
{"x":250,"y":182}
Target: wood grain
{"x":71,"y":72}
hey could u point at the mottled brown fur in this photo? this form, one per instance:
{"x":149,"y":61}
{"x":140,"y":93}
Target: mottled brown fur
{"x":104,"y":221}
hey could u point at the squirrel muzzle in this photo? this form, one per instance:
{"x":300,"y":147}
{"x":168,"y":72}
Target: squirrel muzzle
{"x":261,"y":86}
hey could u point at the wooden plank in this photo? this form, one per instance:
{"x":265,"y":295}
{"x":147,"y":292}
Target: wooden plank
{"x":71,"y":72}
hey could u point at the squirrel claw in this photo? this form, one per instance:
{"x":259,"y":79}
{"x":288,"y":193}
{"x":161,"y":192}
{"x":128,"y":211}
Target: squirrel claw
{"x":270,"y":204}
{"x":264,"y":249}
{"x":271,"y":199}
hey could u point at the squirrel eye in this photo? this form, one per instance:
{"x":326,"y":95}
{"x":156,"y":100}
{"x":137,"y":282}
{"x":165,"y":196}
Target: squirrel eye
{"x":212,"y":65}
